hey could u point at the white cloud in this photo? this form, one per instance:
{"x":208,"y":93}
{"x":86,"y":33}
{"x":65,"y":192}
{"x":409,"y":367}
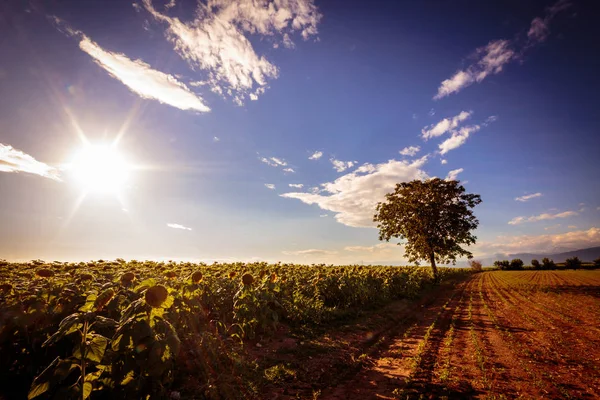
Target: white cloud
{"x":528,"y":197}
{"x":13,"y":160}
{"x":453,"y":174}
{"x":270,"y":186}
{"x":278,"y":161}
{"x":216,"y":41}
{"x":410,"y":151}
{"x":489,"y":120}
{"x":378,"y":248}
{"x":353,"y":196}
{"x":541,"y":243}
{"x":290,"y":170}
{"x":540,"y":27}
{"x":341,"y":166}
{"x":542,"y":217}
{"x":323,"y":215}
{"x":431,"y":112}
{"x":310,"y":252}
{"x":273,"y":161}
{"x":316,"y":155}
{"x":444,"y":161}
{"x":445,"y":125}
{"x":491,"y":58}
{"x":457,"y":139}
{"x":179,"y":226}
{"x":141,"y":79}
{"x":296,"y":185}
{"x":216,"y":139}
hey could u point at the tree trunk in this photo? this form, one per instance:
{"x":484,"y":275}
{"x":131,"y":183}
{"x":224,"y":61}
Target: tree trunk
{"x":433,"y":267}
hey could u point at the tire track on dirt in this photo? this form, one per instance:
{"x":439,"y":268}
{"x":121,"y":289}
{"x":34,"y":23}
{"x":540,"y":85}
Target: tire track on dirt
{"x":390,"y":366}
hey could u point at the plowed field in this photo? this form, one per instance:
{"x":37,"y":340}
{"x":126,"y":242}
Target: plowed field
{"x":500,"y":334}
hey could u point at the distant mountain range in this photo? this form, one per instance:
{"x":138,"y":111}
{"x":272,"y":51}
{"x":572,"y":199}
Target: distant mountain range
{"x":588,"y":255}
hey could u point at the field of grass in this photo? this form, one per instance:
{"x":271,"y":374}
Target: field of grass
{"x":190,"y":331}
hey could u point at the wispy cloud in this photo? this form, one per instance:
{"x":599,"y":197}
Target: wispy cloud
{"x":528,"y":197}
{"x":323,"y":215}
{"x":309,"y":252}
{"x":542,"y":217}
{"x":491,"y":58}
{"x":341,"y":166}
{"x":410,"y":151}
{"x":541,"y":243}
{"x":453,"y":174}
{"x":458,"y":138}
{"x":270,"y":186}
{"x":444,"y":161}
{"x":445,"y":125}
{"x":540,"y":27}
{"x":138,"y":75}
{"x":216,"y":139}
{"x":273,"y":161}
{"x":353,"y":197}
{"x":289,"y":170}
{"x":13,"y":160}
{"x":316,"y":155}
{"x":380,"y":247}
{"x":296,"y":185}
{"x":216,"y":41}
{"x":179,"y":226}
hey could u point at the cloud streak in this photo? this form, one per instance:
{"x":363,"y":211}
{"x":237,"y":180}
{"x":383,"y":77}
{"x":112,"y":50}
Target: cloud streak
{"x":179,"y":226}
{"x":445,"y":125}
{"x":410,"y":151}
{"x":541,"y":243}
{"x":542,"y":217}
{"x":493,"y":57}
{"x":341,"y":166}
{"x":353,"y":197}
{"x":141,"y":79}
{"x":309,"y":252}
{"x":452,"y":175}
{"x":316,"y":155}
{"x":457,"y":139}
{"x":528,"y":197}
{"x":13,"y":160}
{"x":216,"y":41}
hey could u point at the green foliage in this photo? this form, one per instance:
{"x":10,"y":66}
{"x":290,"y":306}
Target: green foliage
{"x":475,"y":265}
{"x":573,"y":263}
{"x":502,"y":264}
{"x":516,"y":264}
{"x":536,"y":264}
{"x":548,"y":263}
{"x":597,"y":263}
{"x":128,"y":329}
{"x":434,"y":216}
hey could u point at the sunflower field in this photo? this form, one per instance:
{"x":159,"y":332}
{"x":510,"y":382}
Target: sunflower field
{"x":122,"y":330}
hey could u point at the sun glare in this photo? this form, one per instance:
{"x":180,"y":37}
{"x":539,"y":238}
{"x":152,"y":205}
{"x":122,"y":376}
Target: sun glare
{"x":100,"y":168}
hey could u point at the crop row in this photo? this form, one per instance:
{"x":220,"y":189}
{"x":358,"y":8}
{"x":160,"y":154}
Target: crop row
{"x":134,"y":329}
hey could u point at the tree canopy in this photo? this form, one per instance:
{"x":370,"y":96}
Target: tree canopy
{"x":434,"y":216}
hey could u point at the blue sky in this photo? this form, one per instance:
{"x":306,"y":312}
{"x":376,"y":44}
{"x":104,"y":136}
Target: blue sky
{"x":216,"y":108}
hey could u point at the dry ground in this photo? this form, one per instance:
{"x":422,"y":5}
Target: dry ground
{"x":500,"y":334}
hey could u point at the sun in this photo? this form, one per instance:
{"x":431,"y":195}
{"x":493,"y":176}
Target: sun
{"x":100,"y":168}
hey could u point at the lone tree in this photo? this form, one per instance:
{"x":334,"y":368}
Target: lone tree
{"x":435,"y":218}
